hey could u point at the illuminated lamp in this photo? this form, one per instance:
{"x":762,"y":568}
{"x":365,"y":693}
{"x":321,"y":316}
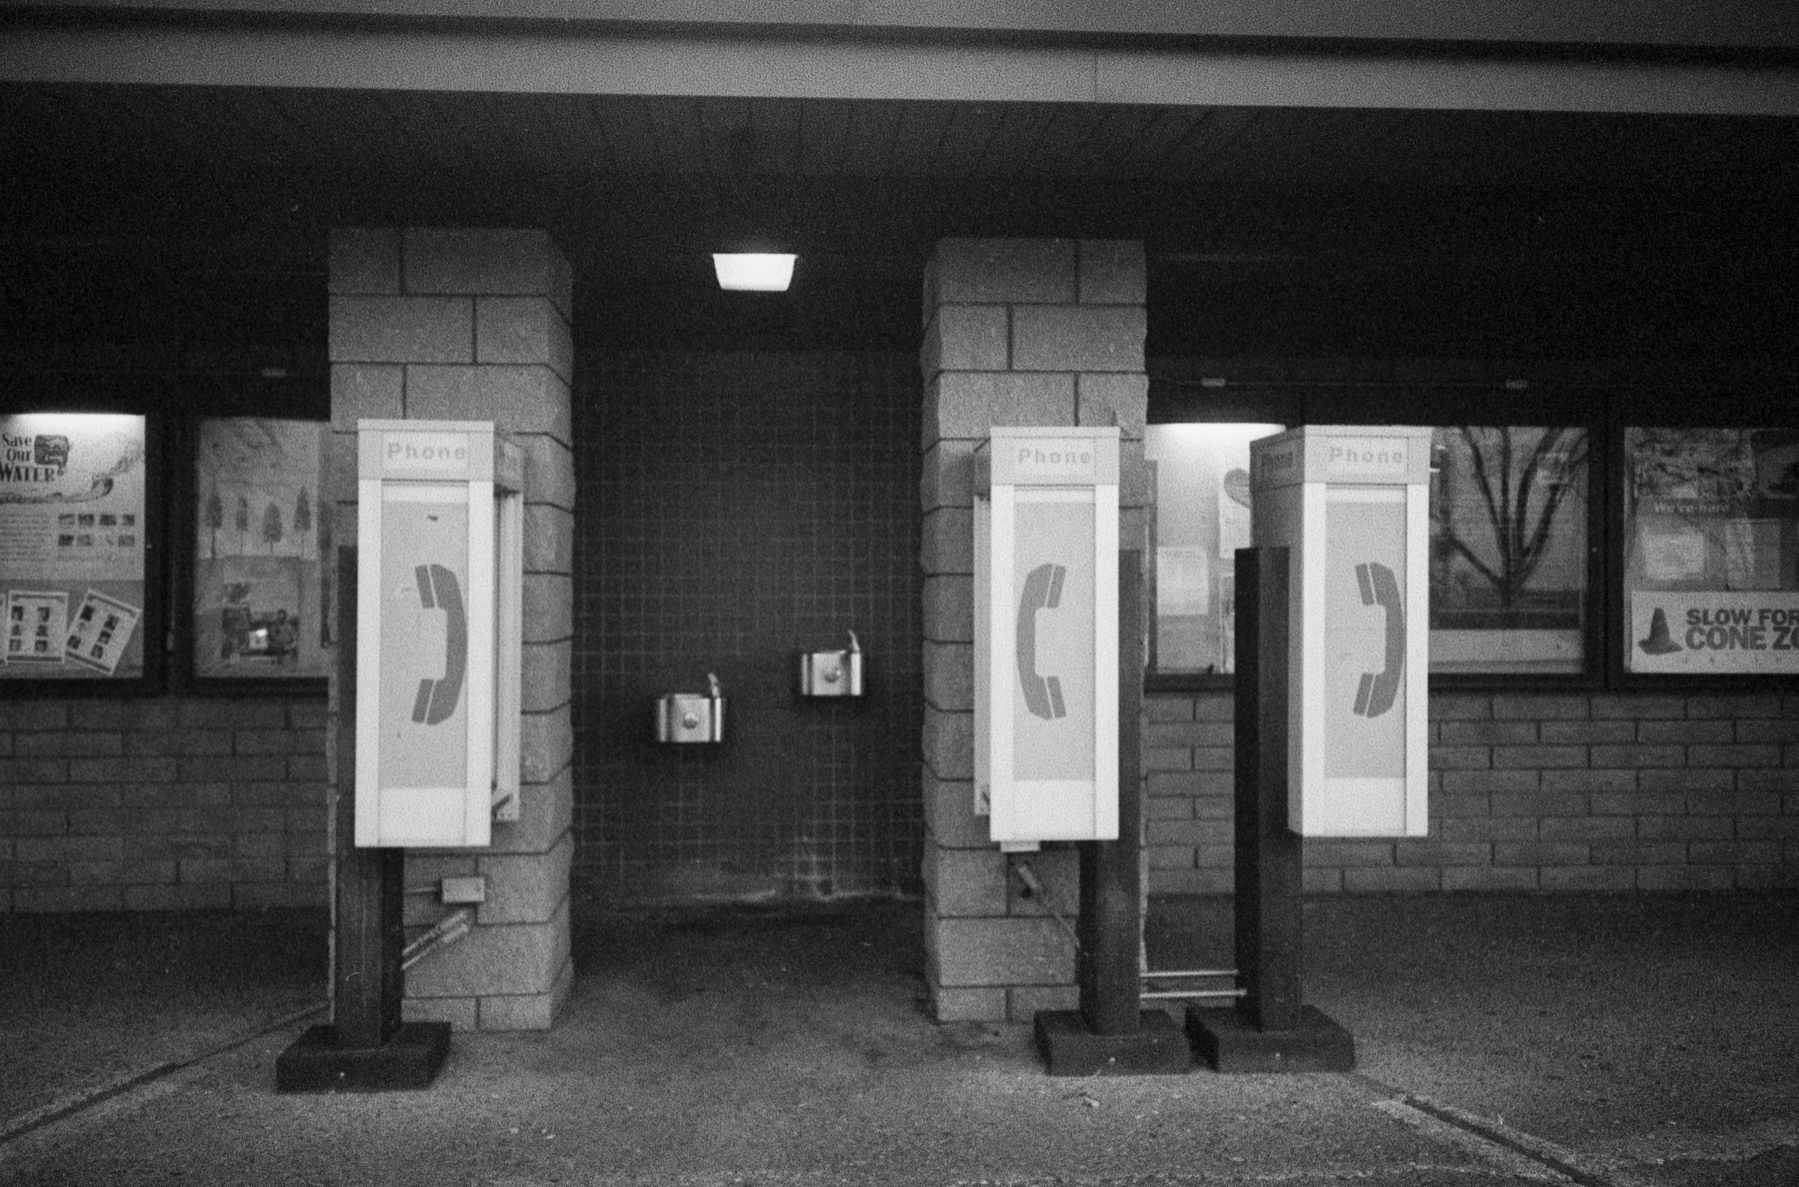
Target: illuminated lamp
{"x":757,"y":272}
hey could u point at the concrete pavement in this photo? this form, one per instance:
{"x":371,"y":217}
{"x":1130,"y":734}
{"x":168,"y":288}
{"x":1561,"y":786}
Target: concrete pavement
{"x":1616,"y":1041}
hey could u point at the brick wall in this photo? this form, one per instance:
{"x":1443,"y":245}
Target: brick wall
{"x":162,"y":804}
{"x":1554,"y":792}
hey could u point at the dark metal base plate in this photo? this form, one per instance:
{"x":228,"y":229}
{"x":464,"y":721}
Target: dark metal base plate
{"x":1229,"y":1043}
{"x":1156,"y":1048}
{"x":410,"y":1059}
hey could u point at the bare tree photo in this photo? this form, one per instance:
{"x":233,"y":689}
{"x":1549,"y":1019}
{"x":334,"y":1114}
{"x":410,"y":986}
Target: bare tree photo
{"x":1497,"y":518}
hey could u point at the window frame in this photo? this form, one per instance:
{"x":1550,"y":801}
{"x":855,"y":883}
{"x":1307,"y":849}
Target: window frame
{"x":269,"y":399}
{"x":1753,"y":405}
{"x":1205,"y":403}
{"x":172,"y":407}
{"x":82,"y":395}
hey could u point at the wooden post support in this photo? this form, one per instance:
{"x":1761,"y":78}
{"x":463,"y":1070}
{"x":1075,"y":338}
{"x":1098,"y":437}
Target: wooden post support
{"x":1110,"y":922}
{"x":1269,"y":857}
{"x":365,"y":1047}
{"x":1111,"y":1034}
{"x":1271,"y":1029}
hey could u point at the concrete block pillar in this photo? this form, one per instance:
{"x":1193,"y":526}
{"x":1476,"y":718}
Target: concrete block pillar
{"x":438,"y":324}
{"x":1017,"y":332}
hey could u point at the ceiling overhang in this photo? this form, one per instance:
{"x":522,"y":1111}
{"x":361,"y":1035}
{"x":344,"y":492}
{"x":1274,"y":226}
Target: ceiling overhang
{"x":674,"y":60}
{"x":1288,"y":173}
{"x":1731,"y":25}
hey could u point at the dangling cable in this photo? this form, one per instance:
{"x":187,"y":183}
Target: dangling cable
{"x":1028,"y":876}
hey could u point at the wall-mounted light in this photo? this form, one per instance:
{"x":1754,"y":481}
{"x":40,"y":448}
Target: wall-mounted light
{"x":753,"y":271}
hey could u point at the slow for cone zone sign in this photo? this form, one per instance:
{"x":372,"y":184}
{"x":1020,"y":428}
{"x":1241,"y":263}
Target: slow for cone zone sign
{"x":1715,"y":632}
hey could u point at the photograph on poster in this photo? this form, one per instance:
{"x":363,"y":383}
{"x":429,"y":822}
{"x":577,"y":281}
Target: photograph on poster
{"x":1711,"y":521}
{"x":1671,"y":551}
{"x":102,"y":630}
{"x":72,"y":505}
{"x":35,"y":623}
{"x":258,"y":603}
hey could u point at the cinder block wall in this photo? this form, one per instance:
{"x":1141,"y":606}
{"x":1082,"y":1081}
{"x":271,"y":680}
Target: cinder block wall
{"x":436,"y":324}
{"x":171,"y":804}
{"x":1017,"y":332}
{"x":1553,"y":792}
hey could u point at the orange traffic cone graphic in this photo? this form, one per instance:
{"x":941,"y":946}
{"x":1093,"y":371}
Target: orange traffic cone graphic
{"x":1658,"y":642}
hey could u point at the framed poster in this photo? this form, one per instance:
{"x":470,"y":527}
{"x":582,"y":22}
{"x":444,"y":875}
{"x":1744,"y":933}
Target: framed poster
{"x":259,"y":607}
{"x":74,"y":539}
{"x":1711,"y":550}
{"x":1508,"y":562}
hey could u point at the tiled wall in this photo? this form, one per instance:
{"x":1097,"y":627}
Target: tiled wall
{"x":738,"y":509}
{"x":169,"y":804}
{"x":1555,"y":792}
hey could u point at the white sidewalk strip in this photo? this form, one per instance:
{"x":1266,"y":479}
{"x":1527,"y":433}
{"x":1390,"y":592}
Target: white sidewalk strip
{"x":83,"y":1099}
{"x":1502,"y":1158}
{"x":1581,"y":1168}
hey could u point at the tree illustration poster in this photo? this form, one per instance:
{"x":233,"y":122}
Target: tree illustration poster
{"x":1508,"y":548}
{"x":71,"y":531}
{"x":260,"y":608}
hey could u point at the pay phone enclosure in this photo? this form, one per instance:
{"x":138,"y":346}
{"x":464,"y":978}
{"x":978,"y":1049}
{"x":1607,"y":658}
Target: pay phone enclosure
{"x":1046,"y":623}
{"x":439,"y":627}
{"x":1351,"y":505}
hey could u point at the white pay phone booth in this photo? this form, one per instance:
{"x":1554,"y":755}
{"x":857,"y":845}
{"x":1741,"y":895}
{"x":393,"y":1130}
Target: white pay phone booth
{"x":1352,"y":506}
{"x":1046,"y":635}
{"x":439,"y":624}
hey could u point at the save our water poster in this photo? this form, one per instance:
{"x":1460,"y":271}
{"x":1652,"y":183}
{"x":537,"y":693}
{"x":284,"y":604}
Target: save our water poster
{"x":72,"y":539}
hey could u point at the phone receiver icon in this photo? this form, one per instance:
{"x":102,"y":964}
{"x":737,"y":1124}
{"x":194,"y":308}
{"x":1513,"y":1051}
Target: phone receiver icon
{"x":1042,"y":591}
{"x":437,"y":697}
{"x":1377,"y":690}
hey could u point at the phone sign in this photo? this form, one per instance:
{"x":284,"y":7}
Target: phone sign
{"x":1380,"y":458}
{"x":425,"y":453}
{"x":1051,"y":461}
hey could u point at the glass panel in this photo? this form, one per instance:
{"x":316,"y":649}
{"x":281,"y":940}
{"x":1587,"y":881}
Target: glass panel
{"x":72,"y":546}
{"x":260,"y":603}
{"x":1711,"y":550}
{"x":1508,"y":549}
{"x":1201,"y":519}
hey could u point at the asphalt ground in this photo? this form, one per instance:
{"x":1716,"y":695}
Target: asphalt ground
{"x":1616,"y":1041}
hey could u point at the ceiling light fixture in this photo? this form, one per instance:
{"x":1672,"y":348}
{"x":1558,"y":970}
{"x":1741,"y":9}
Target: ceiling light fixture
{"x":753,"y":271}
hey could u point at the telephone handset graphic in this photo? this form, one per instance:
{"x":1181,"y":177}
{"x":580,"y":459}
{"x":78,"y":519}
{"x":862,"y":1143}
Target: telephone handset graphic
{"x":1042,"y":591}
{"x":1377,"y":690}
{"x":437,"y":696}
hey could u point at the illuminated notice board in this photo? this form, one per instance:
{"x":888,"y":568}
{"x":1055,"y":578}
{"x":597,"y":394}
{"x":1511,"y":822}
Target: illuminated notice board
{"x":73,"y":542}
